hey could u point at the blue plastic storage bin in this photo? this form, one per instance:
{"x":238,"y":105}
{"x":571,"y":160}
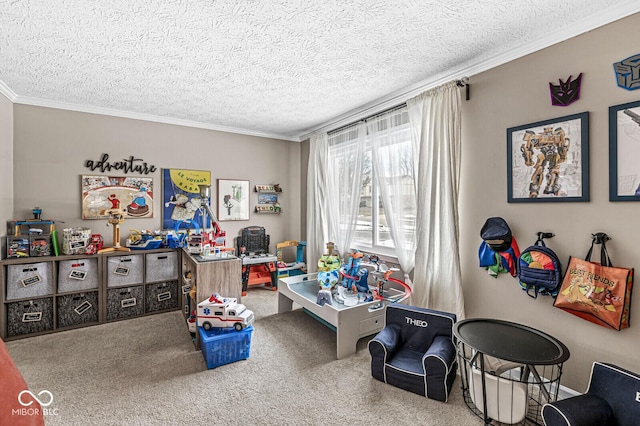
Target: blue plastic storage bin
{"x":222,"y":346}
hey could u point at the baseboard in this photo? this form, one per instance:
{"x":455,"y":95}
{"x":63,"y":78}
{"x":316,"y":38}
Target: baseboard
{"x":565,"y":392}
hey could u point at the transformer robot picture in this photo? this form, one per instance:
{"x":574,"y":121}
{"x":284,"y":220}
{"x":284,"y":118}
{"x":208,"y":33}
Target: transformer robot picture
{"x":552,"y":147}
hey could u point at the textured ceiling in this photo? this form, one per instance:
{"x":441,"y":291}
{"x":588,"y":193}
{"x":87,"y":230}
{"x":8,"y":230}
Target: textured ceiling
{"x":269,"y":67}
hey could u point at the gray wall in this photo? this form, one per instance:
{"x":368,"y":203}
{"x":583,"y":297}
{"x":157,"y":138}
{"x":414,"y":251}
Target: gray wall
{"x":515,"y":94}
{"x":52,"y":145}
{"x":6,"y":162}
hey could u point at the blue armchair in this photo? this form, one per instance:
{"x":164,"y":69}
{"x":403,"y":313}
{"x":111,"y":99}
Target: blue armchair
{"x":415,"y":351}
{"x":612,"y":399}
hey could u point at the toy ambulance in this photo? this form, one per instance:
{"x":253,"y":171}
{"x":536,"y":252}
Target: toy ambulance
{"x":220,"y":311}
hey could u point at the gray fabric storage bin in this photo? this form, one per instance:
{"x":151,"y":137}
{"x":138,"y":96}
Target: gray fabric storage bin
{"x":161,"y":266}
{"x":125,"y":302}
{"x":79,"y":308}
{"x":29,"y":316}
{"x":29,"y":280}
{"x":161,"y":296}
{"x":125,"y":270}
{"x":78,"y":275}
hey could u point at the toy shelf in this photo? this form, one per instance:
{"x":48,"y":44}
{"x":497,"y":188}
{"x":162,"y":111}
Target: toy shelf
{"x":46,"y":294}
{"x":268,"y":199}
{"x":267,"y":208}
{"x":268,"y":189}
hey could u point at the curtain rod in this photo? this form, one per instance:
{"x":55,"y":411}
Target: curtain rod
{"x":461,"y":82}
{"x":464,"y":82}
{"x":369,"y":117}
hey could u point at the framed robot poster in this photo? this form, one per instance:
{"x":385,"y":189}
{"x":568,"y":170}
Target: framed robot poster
{"x":624,"y":152}
{"x":548,"y":161}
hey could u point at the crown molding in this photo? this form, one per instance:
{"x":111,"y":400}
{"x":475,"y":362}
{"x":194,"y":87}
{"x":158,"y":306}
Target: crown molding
{"x":6,"y":91}
{"x":398,"y":97}
{"x":140,"y":116}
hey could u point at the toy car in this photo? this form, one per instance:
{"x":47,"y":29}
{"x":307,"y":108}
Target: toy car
{"x":221,"y":312}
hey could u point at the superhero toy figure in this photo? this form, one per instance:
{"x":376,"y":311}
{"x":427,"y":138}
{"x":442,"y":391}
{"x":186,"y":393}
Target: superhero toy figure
{"x":552,"y":147}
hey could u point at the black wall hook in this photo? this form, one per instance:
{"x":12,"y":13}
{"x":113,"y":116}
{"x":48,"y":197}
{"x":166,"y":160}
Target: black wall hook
{"x":543,"y":235}
{"x":600,"y":237}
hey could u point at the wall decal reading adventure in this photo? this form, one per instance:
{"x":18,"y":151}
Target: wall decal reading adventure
{"x":130,"y":165}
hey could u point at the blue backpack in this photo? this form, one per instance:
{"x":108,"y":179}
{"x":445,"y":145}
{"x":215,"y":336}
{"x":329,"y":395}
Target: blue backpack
{"x":539,"y":268}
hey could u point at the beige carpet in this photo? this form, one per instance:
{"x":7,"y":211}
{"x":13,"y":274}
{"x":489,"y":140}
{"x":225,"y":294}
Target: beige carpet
{"x":146,"y":371}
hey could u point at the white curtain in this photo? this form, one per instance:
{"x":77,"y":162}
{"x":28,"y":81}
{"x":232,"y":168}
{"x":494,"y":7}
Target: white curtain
{"x":317,"y":228}
{"x":391,"y":152}
{"x":344,"y":179}
{"x":435,"y":119}
{"x":333,"y":187}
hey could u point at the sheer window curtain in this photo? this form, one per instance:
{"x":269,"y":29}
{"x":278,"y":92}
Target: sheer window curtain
{"x":317,"y":227}
{"x":435,"y":118}
{"x":333,"y":190}
{"x":391,"y":151}
{"x":344,"y":179}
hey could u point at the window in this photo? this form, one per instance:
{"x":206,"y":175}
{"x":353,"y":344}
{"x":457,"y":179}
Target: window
{"x":387,"y":160}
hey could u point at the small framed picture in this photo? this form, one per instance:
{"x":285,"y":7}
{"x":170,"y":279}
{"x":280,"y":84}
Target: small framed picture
{"x":267,"y":198}
{"x":233,"y":199}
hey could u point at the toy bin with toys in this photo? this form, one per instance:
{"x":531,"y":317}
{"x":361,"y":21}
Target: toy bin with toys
{"x":222,"y":346}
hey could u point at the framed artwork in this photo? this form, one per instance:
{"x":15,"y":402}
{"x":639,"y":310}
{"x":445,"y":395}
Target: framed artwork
{"x":181,"y":200}
{"x":624,"y":152}
{"x":548,"y":161}
{"x":267,"y":198}
{"x":132,"y":194}
{"x":233,"y":199}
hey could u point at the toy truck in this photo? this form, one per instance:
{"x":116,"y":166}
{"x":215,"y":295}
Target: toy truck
{"x":222,"y":312}
{"x":198,"y":243}
{"x":205,"y":241}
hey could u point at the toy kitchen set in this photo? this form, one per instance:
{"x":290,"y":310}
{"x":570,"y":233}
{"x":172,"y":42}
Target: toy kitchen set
{"x":258,"y":266}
